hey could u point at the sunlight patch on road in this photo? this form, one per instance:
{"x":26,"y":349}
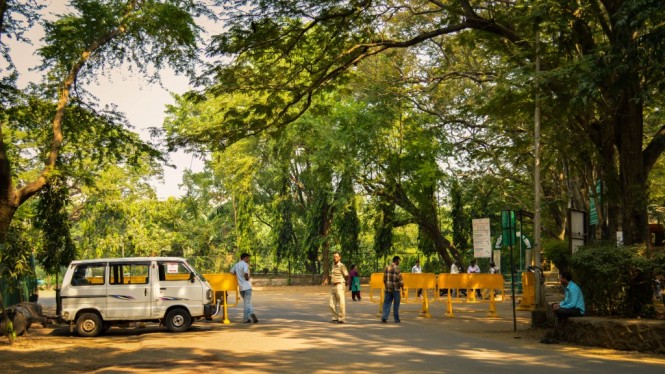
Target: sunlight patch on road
{"x":510,"y":359}
{"x":608,"y":354}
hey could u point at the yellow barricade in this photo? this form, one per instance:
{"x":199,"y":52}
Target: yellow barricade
{"x":223,"y":283}
{"x":528,"y":301}
{"x":424,"y":281}
{"x":470,"y":282}
{"x":376,"y":283}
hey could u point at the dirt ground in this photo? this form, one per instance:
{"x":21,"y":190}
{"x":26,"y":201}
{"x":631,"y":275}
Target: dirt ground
{"x":293,"y":320}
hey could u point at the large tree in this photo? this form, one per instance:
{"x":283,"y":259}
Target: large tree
{"x":290,"y":51}
{"x":94,"y":36}
{"x":78,"y":45}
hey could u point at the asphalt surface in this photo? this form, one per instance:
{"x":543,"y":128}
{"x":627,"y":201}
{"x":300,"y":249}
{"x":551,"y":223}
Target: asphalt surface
{"x":294,"y":334}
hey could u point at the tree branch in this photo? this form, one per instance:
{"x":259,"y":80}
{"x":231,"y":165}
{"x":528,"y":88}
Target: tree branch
{"x":35,"y":186}
{"x":654,"y":150}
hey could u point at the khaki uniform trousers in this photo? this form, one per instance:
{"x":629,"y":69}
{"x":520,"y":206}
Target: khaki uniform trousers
{"x":337,"y":297}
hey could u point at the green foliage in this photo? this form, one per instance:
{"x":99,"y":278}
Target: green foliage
{"x":461,"y":220}
{"x":614,"y":280}
{"x":346,"y":224}
{"x":140,"y":36}
{"x":17,"y":18}
{"x":383,"y":229}
{"x":15,"y":257}
{"x":284,"y":233}
{"x":558,"y":252}
{"x":52,"y":219}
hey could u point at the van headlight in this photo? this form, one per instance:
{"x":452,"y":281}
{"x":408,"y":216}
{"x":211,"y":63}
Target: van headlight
{"x":209,"y":294}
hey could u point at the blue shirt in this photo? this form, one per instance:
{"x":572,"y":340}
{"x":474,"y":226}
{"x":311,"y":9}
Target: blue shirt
{"x":573,"y":297}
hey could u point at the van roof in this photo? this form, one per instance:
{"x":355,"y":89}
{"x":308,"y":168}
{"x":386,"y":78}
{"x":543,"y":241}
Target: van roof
{"x":127,"y":259}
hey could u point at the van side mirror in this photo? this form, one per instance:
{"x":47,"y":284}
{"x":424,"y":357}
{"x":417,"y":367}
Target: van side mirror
{"x":192,"y":277}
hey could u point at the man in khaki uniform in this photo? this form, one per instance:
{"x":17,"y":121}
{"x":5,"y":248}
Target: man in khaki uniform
{"x":338,"y":279}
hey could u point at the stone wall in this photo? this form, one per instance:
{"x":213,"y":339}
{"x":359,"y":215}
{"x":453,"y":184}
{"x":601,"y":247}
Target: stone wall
{"x":615,"y":333}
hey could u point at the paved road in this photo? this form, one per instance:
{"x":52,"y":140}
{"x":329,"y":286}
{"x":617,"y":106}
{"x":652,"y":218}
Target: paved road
{"x":294,"y":335}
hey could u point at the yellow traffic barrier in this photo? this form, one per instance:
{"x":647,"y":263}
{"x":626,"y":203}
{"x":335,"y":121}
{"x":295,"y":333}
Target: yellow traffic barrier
{"x":470,"y":282}
{"x":424,"y":281}
{"x":224,"y":283}
{"x":376,"y":283}
{"x":528,"y":301}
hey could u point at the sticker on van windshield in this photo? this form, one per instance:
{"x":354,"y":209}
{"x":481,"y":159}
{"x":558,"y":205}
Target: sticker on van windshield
{"x":172,"y":268}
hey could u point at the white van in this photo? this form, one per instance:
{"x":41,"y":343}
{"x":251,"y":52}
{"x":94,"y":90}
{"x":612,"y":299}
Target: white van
{"x":97,"y":294}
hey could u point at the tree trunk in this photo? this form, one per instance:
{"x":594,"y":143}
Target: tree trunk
{"x":428,"y":222}
{"x":8,"y":206}
{"x":324,"y":232}
{"x":632,"y":175}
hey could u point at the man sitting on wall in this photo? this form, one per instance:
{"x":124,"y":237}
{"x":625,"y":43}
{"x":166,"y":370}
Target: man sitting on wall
{"x":573,"y":300}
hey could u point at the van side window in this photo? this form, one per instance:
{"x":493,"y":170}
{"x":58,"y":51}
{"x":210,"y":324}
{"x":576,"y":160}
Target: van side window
{"x":89,"y":275}
{"x":129,"y":273}
{"x":173,"y":271}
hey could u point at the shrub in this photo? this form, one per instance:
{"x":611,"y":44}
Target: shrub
{"x":616,"y":281}
{"x":558,"y":252}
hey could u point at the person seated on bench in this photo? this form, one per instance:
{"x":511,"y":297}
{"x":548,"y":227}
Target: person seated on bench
{"x":573,"y":300}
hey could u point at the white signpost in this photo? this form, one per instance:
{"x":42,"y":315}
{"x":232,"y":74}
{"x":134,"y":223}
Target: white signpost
{"x":482,"y":239}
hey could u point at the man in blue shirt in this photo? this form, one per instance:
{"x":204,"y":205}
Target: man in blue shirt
{"x":573,"y":301}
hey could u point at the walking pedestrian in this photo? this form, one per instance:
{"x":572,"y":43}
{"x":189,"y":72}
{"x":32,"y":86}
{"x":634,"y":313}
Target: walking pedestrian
{"x":241,"y":271}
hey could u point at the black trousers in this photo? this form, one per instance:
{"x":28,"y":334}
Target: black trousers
{"x":564,"y":313}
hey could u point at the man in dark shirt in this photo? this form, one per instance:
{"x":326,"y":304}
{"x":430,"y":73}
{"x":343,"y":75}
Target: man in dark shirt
{"x":393,"y":283}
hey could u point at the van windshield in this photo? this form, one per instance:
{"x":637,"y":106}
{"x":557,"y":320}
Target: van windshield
{"x":199,"y":275}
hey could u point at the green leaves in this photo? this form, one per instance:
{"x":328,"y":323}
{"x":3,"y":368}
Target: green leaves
{"x":52,"y":219}
{"x":141,"y":34}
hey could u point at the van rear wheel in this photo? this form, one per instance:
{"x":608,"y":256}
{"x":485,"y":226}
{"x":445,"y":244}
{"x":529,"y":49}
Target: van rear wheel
{"x":89,"y":325}
{"x":177,"y":320}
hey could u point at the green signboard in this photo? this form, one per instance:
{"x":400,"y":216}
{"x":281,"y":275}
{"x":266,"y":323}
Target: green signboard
{"x":593,"y":210}
{"x":508,"y":226}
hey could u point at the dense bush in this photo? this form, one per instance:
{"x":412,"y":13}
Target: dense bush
{"x":558,"y":252}
{"x":616,"y":281}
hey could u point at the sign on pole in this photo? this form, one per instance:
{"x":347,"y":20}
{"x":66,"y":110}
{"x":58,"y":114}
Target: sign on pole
{"x":593,"y":210}
{"x":482,"y":238}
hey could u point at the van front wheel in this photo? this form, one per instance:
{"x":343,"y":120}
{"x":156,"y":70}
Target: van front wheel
{"x":89,"y":325}
{"x":177,"y":320}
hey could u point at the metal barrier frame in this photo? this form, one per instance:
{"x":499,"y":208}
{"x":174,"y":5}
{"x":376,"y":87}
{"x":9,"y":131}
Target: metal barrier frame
{"x":224,"y":282}
{"x":470,"y":282}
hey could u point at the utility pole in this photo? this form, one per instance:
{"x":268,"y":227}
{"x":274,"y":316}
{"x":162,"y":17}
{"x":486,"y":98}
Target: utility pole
{"x":540,"y":302}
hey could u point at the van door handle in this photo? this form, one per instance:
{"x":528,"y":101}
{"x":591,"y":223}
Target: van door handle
{"x":163,"y":289}
{"x":145,"y":292}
